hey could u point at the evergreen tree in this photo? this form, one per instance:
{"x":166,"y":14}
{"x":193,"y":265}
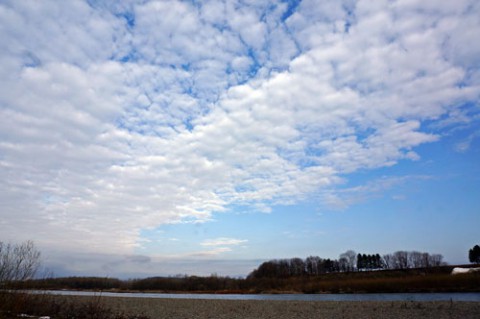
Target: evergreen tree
{"x":474,"y":254}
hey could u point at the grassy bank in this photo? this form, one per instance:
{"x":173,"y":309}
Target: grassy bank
{"x":375,"y":282}
{"x":16,"y":304}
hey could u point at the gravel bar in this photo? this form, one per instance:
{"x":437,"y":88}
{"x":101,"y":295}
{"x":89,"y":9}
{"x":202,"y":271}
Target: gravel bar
{"x":259,"y":309}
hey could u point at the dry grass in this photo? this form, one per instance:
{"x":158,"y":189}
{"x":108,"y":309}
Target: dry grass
{"x":14,"y":305}
{"x":369,"y":283}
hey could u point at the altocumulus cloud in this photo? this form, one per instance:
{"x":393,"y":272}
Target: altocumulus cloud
{"x":119,"y":117}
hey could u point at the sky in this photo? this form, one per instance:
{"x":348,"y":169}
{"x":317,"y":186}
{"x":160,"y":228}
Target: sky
{"x":142,"y":138}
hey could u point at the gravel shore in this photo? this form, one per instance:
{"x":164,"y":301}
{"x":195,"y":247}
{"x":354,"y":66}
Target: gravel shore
{"x":245,"y":309}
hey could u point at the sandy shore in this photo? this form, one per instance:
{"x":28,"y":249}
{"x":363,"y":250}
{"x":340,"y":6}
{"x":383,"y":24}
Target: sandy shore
{"x":245,"y":309}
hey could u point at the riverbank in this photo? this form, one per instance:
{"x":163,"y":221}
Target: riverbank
{"x":438,"y":279}
{"x":259,"y":309}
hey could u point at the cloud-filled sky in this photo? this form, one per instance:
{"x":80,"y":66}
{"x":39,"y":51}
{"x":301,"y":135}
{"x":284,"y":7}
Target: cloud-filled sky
{"x":160,"y":137}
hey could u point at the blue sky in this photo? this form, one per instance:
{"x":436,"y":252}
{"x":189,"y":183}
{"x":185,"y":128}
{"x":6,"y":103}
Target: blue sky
{"x":142,"y":138}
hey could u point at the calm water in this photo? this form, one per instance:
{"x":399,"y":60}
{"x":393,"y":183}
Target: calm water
{"x":300,"y":297}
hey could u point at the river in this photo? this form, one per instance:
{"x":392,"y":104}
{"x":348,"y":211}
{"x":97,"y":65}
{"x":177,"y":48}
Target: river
{"x":299,"y":297}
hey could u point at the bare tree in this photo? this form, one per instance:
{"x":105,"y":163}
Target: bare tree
{"x":312,"y":265}
{"x":436,"y":260}
{"x":350,"y":257}
{"x":400,"y":259}
{"x":388,"y":261}
{"x":297,"y":267}
{"x":426,"y":260}
{"x":415,"y":259}
{"x":18,"y":262}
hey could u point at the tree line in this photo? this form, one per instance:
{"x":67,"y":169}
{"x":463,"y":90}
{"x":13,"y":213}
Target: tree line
{"x":19,"y":264}
{"x":174,"y":283}
{"x":347,"y":262}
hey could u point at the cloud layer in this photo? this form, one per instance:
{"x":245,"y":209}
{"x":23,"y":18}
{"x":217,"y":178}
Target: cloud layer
{"x":120,"y":117}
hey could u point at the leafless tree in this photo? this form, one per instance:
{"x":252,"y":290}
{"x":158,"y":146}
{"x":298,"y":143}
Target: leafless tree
{"x":436,"y":260}
{"x":412,"y":259}
{"x":388,"y":261}
{"x":415,"y":260}
{"x":18,"y":262}
{"x":350,"y":257}
{"x":401,"y":259}
{"x":312,"y":264}
{"x":297,"y":267}
{"x":343,"y":264}
{"x":426,"y":260}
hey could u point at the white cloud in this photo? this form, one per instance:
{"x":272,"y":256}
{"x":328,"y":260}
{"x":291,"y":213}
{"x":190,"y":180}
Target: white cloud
{"x":208,"y":253}
{"x":464,"y":146}
{"x":141,"y":266}
{"x":216,"y":247}
{"x":223,"y":241}
{"x":342,"y":198}
{"x":108,"y":128}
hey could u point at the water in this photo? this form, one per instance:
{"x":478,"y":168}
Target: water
{"x":299,"y":297}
